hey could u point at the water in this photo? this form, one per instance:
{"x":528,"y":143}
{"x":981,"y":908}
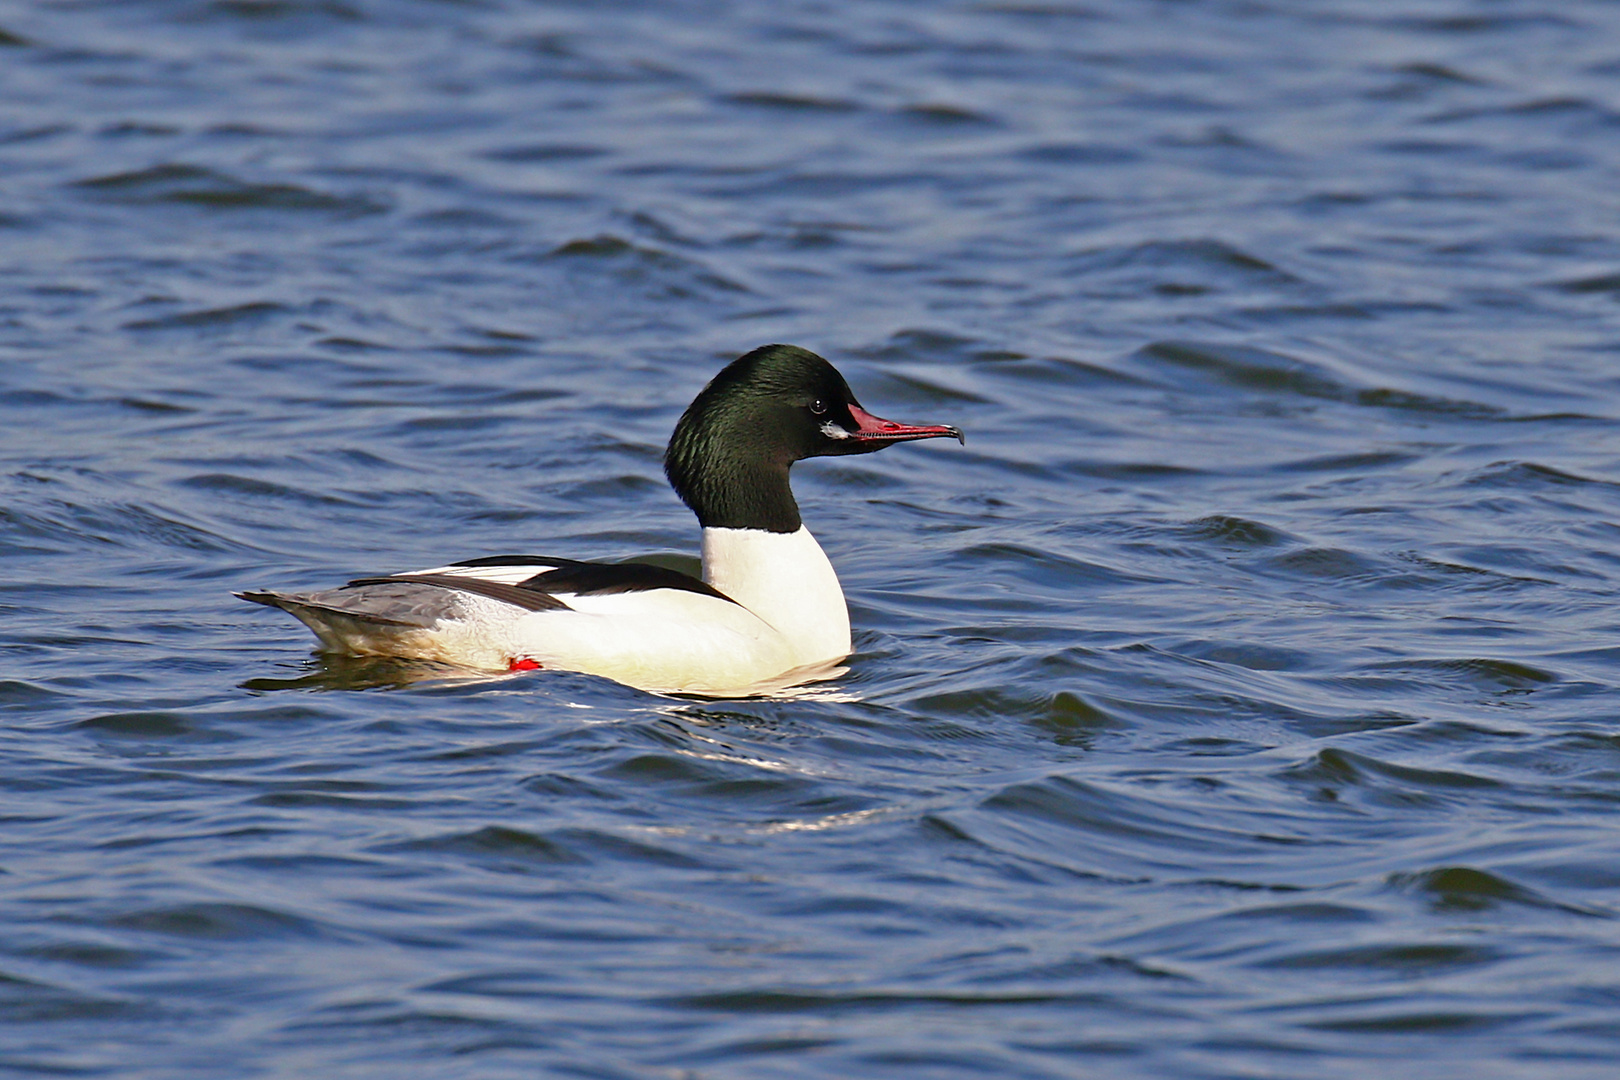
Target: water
{"x":1239,"y":702}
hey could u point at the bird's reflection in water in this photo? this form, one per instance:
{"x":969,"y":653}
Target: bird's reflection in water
{"x":345,"y":671}
{"x":342,"y":671}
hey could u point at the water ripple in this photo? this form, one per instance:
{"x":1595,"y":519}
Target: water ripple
{"x":1238,"y":701}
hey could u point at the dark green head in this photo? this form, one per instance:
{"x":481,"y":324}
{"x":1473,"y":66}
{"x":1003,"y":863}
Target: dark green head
{"x":729,"y":456}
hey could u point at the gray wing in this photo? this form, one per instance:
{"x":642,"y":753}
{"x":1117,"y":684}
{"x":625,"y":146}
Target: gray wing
{"x":406,"y":604}
{"x":415,"y":600}
{"x":385,"y":614}
{"x":412,"y":606}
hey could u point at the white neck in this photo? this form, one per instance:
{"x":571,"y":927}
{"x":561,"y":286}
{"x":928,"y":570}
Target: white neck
{"x":786,"y":580}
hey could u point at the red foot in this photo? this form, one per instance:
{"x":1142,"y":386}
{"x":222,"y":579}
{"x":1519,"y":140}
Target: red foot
{"x":523,"y":663}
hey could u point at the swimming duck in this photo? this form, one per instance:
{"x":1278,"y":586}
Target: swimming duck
{"x":768,"y":610}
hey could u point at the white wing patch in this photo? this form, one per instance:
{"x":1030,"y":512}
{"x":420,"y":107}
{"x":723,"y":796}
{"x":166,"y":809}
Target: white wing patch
{"x":506,"y":575}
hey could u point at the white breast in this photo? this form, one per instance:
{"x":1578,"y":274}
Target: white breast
{"x":786,"y":580}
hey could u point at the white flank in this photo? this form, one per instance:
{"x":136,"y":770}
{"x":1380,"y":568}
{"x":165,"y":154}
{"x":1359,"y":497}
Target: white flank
{"x":662,"y":639}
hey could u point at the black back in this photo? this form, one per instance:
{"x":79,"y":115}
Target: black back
{"x":597,"y":579}
{"x":568,"y":576}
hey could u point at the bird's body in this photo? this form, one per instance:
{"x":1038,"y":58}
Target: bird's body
{"x":768,"y":610}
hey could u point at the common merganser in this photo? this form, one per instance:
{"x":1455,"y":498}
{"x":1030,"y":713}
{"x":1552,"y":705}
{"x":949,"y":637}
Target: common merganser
{"x":768,"y":610}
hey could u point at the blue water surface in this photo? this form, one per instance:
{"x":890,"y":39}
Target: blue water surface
{"x":1240,"y":702}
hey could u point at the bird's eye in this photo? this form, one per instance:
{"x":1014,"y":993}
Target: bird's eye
{"x":818,"y":406}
